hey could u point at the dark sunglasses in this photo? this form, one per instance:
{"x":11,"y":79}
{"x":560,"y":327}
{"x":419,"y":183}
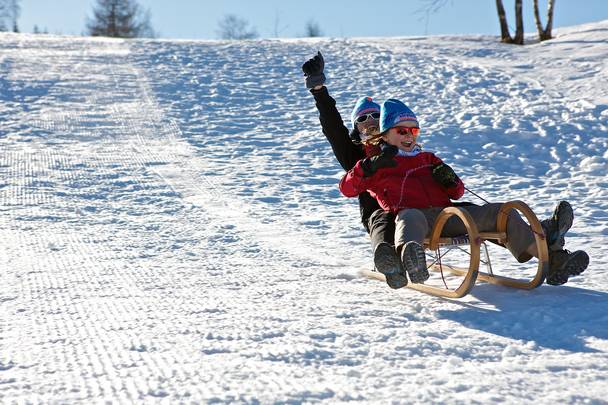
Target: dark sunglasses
{"x":365,"y":117}
{"x":407,"y":131}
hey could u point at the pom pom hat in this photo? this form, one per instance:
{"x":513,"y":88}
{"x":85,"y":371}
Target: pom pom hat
{"x":393,"y":112}
{"x":365,"y":105}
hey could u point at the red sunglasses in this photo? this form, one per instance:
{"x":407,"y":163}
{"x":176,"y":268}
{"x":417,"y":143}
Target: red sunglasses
{"x":407,"y":131}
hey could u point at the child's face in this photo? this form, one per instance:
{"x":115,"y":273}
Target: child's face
{"x":402,"y":136}
{"x":368,"y":127}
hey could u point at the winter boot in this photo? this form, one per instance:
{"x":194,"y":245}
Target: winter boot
{"x":563,"y":264}
{"x":387,"y":263}
{"x":556,"y":227}
{"x":414,"y":262}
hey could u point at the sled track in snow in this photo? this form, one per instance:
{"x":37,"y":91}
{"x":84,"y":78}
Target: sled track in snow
{"x":112,"y":180}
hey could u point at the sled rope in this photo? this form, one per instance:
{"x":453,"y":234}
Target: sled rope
{"x":441,"y":268}
{"x":541,"y":234}
{"x":476,"y":195}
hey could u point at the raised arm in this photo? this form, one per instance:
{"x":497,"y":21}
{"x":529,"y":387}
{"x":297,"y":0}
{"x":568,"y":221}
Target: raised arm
{"x":346,"y":152}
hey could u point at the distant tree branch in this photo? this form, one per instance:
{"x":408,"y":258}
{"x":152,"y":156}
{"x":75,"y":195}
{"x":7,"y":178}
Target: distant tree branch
{"x":430,"y":7}
{"x":277,"y":26}
{"x":234,"y":27}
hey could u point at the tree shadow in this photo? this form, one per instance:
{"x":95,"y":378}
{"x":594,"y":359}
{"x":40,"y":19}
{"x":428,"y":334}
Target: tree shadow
{"x":562,"y":317}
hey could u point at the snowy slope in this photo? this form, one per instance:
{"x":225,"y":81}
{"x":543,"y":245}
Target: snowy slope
{"x":172,"y":231}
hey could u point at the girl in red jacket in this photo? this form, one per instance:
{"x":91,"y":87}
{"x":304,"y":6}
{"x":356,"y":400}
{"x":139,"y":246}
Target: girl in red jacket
{"x":416,"y":185}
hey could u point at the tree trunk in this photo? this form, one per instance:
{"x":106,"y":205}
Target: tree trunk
{"x":544,"y":34}
{"x":112,"y":29}
{"x":519,"y":22}
{"x":505,"y":36}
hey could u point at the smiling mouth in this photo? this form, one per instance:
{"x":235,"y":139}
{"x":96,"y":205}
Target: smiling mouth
{"x":407,"y":144}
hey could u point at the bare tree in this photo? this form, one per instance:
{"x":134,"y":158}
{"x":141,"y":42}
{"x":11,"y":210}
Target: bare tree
{"x":120,"y":19}
{"x":429,"y":7}
{"x":432,"y":6}
{"x":15,"y":12}
{"x":544,"y":33}
{"x":4,"y":15}
{"x":505,"y":35}
{"x":519,"y":23}
{"x":37,"y":30}
{"x":234,"y":27}
{"x":312,"y":29}
{"x":9,"y":14}
{"x":278,"y":29}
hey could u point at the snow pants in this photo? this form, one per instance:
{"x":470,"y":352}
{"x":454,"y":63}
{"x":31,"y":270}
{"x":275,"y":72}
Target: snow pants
{"x":416,"y":224}
{"x":381,"y":226}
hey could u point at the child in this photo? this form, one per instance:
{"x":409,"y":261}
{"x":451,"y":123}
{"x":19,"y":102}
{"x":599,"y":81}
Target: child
{"x":348,"y":150}
{"x":416,"y":185}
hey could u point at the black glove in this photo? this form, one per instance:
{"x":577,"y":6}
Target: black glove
{"x":444,"y":175}
{"x":313,"y":70}
{"x":384,"y":159}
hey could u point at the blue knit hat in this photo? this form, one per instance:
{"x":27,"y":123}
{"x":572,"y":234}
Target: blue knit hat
{"x":393,"y":112}
{"x":364,"y":105}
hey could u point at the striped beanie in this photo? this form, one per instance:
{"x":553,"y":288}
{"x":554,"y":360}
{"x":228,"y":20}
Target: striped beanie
{"x":393,"y":112}
{"x":364,"y":105}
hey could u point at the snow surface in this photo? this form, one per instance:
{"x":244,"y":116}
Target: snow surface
{"x":172,"y":230}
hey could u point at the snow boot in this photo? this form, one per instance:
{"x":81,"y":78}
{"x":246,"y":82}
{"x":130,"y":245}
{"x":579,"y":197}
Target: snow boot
{"x":563,"y":264}
{"x":414,"y":262}
{"x":556,"y":227}
{"x":387,"y":263}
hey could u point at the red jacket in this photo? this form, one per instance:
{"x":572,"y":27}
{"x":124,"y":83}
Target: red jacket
{"x":408,"y":185}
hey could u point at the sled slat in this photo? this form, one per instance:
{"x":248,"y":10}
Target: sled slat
{"x":490,"y":278}
{"x":428,"y":289}
{"x":499,"y":236}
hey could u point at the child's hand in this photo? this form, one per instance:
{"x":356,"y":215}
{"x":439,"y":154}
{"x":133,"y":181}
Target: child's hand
{"x":444,"y":175}
{"x":313,"y":71}
{"x":384,"y":159}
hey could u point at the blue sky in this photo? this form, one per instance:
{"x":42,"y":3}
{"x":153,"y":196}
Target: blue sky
{"x":198,"y":19}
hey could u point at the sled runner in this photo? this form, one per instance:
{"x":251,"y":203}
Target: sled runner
{"x":473,"y":241}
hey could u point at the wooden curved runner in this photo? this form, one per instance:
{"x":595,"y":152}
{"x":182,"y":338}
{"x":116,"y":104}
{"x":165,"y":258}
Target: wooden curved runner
{"x":475,"y":239}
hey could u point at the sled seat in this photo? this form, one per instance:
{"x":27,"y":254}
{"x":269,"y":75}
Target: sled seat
{"x":475,"y":240}
{"x":460,"y":243}
{"x":464,"y":240}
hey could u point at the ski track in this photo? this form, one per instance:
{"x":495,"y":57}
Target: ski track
{"x":173,"y":232}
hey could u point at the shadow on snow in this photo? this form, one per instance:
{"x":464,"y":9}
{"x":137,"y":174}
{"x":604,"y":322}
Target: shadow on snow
{"x":553,"y":317}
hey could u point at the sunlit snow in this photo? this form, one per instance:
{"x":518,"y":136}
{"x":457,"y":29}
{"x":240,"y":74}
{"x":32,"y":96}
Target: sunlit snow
{"x":171,"y":228}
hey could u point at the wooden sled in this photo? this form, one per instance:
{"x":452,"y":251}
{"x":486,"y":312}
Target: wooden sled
{"x":475,"y":240}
